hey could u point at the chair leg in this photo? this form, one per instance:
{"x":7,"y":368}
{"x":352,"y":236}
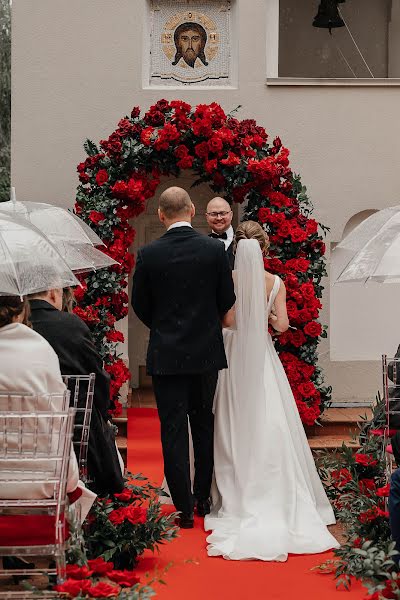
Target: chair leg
{"x":60,"y":566}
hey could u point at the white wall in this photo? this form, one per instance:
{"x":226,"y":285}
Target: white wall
{"x":77,"y":68}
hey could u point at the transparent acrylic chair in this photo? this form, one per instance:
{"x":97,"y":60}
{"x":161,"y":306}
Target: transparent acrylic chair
{"x":35,"y":448}
{"x":81,"y":388}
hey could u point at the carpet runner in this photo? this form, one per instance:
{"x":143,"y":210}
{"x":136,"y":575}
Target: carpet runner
{"x":190,"y":574}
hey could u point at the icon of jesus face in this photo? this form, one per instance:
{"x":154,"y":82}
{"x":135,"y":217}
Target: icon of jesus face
{"x":189,"y":44}
{"x":190,"y":40}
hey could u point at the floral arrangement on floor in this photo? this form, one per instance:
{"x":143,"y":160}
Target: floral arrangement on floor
{"x":98,"y":579}
{"x":121,"y":527}
{"x":356,"y":484}
{"x":237,"y":160}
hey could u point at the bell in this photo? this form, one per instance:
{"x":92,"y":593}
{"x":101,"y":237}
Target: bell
{"x":328,"y":16}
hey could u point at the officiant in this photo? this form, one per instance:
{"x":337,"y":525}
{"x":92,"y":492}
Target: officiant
{"x":219,"y":217}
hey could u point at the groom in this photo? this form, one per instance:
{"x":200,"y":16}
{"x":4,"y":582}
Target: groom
{"x":219,"y":217}
{"x":183,"y":291}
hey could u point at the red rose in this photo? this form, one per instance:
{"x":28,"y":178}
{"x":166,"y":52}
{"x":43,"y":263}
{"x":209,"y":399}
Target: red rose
{"x":264,"y":214}
{"x":136,"y":514}
{"x":77,"y":572}
{"x":307,"y":290}
{"x":201,"y":150}
{"x":135,"y":112}
{"x":304,"y":315}
{"x":185,"y":163}
{"x":311,"y":226}
{"x":341,"y":477}
{"x":366,"y":486}
{"x":313,"y":329}
{"x":284,"y":230}
{"x":202,"y":127}
{"x":99,"y":566}
{"x":215,"y":144}
{"x":119,"y":189}
{"x":298,"y":338}
{"x":125,"y":495}
{"x":103,"y":590}
{"x":124,"y":578}
{"x":210,"y":166}
{"x":231,"y":160}
{"x":181,"y":151}
{"x":162,"y":105}
{"x":298,"y":235}
{"x":146,"y":135}
{"x":101,"y":177}
{"x":115,"y":336}
{"x":117,"y":516}
{"x":84,"y":178}
{"x":79,"y":292}
{"x":74,"y":587}
{"x":154,"y":117}
{"x":365,"y":460}
{"x":383,"y":492}
{"x":306,"y":389}
{"x":318,"y":246}
{"x":96,"y":217}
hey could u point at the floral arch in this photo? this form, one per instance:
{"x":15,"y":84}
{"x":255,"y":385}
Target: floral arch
{"x":236,"y":159}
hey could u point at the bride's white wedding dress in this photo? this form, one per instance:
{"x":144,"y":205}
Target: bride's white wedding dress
{"x":268,"y":499}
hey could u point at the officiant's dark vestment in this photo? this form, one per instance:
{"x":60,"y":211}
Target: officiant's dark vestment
{"x":182,"y":287}
{"x":228,"y":246}
{"x":72,"y":341}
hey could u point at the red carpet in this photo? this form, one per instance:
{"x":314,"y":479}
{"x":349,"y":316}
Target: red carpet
{"x":192,"y":574}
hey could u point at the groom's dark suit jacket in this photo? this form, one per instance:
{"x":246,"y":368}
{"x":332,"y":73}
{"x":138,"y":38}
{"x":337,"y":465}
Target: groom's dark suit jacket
{"x":181,"y":288}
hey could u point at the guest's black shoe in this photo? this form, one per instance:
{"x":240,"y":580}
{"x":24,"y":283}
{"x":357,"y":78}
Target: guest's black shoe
{"x":185,"y":521}
{"x":203,"y":507}
{"x":14,"y":562}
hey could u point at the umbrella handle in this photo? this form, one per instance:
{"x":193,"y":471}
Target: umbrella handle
{"x":13,"y":197}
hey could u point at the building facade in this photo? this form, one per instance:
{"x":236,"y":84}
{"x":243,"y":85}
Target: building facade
{"x":79,"y":66}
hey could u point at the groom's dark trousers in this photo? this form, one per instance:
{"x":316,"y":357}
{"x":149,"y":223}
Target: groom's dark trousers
{"x":177,"y":397}
{"x":182,"y":287}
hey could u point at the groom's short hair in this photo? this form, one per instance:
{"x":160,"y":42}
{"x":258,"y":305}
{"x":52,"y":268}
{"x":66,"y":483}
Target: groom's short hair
{"x":174,"y":202}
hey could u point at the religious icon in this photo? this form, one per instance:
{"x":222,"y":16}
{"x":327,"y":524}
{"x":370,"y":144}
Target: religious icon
{"x":195,"y":43}
{"x":190,"y":40}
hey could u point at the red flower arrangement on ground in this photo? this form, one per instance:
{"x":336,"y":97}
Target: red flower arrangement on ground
{"x":235,"y":158}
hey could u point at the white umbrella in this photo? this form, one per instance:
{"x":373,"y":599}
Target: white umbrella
{"x":73,"y":238}
{"x":57,"y":223}
{"x":29,"y":262}
{"x":82,"y":258}
{"x":371,"y":251}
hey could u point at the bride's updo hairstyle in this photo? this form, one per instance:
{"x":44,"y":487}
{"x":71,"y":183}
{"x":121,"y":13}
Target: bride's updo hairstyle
{"x":11,"y":307}
{"x":251,"y":230}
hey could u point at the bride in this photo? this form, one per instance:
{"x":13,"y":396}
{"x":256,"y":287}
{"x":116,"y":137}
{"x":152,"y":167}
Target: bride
{"x":269,"y":500}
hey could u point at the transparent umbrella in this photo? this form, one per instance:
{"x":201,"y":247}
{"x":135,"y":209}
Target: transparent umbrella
{"x":29,"y":262}
{"x":82,"y":258}
{"x":371,"y":252}
{"x":73,"y":238}
{"x":57,"y":223}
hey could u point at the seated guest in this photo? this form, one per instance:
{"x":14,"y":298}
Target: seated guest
{"x":29,"y":365}
{"x":394,"y":510}
{"x":71,"y":339}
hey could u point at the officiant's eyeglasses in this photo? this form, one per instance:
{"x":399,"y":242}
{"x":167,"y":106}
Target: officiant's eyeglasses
{"x":215,"y":215}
